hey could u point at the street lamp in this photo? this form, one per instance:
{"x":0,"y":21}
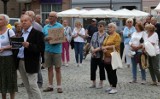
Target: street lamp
{"x":5,"y":6}
{"x":111,"y":4}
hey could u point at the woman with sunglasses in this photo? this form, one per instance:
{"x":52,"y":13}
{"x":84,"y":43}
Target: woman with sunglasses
{"x":127,"y":32}
{"x":96,"y":44}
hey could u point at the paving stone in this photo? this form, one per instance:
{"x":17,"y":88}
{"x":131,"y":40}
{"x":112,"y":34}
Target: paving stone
{"x":76,"y":82}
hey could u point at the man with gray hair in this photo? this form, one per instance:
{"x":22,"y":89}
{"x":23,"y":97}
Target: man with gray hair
{"x":157,"y":26}
{"x":38,"y":27}
{"x":29,"y":57}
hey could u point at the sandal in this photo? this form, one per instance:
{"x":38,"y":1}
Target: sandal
{"x":59,"y":90}
{"x":48,"y":89}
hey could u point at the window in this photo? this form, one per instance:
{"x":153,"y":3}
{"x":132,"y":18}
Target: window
{"x":28,"y":6}
{"x":47,"y":8}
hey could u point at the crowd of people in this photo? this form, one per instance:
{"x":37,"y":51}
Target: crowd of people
{"x":36,"y":50}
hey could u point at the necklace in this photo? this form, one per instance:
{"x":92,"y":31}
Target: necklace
{"x":2,"y":36}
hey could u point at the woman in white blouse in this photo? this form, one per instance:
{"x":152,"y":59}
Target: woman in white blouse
{"x":152,"y":37}
{"x":136,"y":46}
{"x":8,"y":75}
{"x":78,"y":35}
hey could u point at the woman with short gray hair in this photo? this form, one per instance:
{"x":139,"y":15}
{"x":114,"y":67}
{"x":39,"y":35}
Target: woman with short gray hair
{"x":127,"y":32}
{"x":96,"y":57}
{"x":113,"y":39}
{"x":8,"y":75}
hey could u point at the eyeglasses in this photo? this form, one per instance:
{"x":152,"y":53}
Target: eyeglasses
{"x":109,"y":26}
{"x":129,"y":22}
{"x":52,"y":16}
{"x":100,"y":26}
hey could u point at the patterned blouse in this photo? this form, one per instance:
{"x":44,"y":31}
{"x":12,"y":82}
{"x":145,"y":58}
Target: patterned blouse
{"x":97,"y":41}
{"x":113,"y":39}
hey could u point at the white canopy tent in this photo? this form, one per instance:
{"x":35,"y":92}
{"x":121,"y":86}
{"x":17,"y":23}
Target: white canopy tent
{"x":69,"y":13}
{"x":100,"y":13}
{"x":122,"y":13}
{"x":158,"y":7}
{"x":96,"y":13}
{"x":138,"y":13}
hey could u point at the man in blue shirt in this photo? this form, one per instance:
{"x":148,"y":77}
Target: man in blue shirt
{"x":53,"y":54}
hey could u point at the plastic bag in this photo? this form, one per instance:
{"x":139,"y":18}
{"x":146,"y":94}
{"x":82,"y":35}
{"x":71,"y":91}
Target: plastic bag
{"x":149,"y":48}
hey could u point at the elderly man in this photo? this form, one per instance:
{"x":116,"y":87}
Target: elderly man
{"x":157,"y":26}
{"x":53,"y":54}
{"x":38,"y":19}
{"x":29,"y":55}
{"x":38,"y":27}
{"x":90,"y":30}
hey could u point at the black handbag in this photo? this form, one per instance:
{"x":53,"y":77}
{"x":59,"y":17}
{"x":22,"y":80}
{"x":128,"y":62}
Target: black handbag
{"x":15,"y":53}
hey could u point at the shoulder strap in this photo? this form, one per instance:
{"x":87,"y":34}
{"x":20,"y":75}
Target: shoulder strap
{"x":97,"y":40}
{"x":9,"y":36}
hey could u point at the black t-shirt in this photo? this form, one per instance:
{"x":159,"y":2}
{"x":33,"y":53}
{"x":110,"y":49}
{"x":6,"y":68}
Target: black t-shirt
{"x":91,"y":30}
{"x":158,"y":30}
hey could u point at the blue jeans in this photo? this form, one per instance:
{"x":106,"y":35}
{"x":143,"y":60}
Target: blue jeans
{"x":78,"y":47}
{"x":136,"y":59}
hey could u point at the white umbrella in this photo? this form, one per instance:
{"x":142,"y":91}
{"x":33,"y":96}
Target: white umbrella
{"x":158,"y":7}
{"x":138,"y":13}
{"x":95,"y":13}
{"x":68,"y":13}
{"x":122,"y":13}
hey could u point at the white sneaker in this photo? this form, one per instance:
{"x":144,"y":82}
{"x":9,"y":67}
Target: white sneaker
{"x":108,"y":89}
{"x":113,"y":91}
{"x":77,"y":65}
{"x":66,"y":65}
{"x":143,"y":82}
{"x":63,"y":64}
{"x":80,"y":64}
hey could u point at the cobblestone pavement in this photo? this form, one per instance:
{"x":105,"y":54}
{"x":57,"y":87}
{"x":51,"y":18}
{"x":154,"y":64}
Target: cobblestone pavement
{"x":76,"y":82}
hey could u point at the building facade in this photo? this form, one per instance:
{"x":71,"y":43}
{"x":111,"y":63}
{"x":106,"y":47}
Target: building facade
{"x":104,"y":4}
{"x":149,"y":5}
{"x":43,"y":7}
{"x":14,"y":8}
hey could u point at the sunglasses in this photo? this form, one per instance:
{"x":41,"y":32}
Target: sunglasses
{"x":129,"y":22}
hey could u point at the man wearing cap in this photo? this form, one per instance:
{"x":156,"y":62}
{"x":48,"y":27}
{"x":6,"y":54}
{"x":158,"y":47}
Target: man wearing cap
{"x":89,"y":32}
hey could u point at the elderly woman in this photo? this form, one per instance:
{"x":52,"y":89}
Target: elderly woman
{"x":18,"y":29}
{"x":136,"y":46}
{"x":78,"y":35}
{"x":113,"y":40}
{"x":96,"y":44}
{"x":127,"y":32}
{"x":8,"y":76}
{"x":152,"y":37}
{"x":65,"y":45}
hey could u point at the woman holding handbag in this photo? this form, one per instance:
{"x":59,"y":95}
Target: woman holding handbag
{"x":152,"y":37}
{"x":136,"y":46}
{"x":96,"y":44}
{"x":113,"y":40}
